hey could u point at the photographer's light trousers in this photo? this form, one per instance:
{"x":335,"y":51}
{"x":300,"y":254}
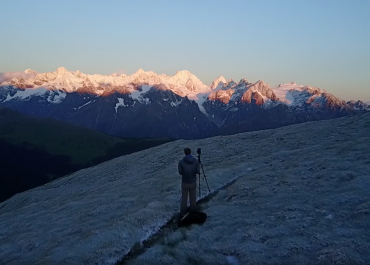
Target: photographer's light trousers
{"x":191,"y":189}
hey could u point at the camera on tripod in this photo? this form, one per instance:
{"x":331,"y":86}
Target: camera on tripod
{"x":199,"y":151}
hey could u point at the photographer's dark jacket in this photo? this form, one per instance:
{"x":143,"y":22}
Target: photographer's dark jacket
{"x":189,"y":167}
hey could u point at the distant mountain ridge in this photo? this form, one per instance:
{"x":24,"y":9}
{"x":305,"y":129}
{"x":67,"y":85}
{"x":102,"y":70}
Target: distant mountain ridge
{"x":146,"y":104}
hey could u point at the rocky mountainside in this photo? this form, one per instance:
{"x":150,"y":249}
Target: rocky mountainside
{"x":146,"y":104}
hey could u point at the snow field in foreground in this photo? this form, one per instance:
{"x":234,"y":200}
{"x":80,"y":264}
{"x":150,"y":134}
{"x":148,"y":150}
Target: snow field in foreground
{"x":306,"y":199}
{"x":98,"y":214}
{"x":306,"y":205}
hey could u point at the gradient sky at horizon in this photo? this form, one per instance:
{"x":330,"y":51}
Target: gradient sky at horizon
{"x":322,"y":43}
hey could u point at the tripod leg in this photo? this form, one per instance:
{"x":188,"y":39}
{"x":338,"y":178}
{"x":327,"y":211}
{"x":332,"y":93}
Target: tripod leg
{"x":199,"y":186}
{"x":207,"y":184}
{"x":205,"y":178}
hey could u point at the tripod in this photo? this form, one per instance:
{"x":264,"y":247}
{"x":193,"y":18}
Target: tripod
{"x":204,"y":174}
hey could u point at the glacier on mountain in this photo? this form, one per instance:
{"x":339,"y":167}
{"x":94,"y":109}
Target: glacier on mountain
{"x":121,"y":103}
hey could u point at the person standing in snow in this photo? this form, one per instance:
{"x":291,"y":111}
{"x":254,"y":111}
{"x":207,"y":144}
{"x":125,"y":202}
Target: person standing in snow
{"x":188,"y":168}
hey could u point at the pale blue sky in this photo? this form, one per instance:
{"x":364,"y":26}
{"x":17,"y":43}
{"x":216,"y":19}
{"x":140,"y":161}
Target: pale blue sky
{"x":323,"y":43}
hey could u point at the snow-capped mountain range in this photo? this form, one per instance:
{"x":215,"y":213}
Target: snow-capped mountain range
{"x":182,"y":83}
{"x":149,"y":104}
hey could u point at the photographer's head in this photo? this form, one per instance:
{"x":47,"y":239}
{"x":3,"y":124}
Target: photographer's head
{"x":187,"y":151}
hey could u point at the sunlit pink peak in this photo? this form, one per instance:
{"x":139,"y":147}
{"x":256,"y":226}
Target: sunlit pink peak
{"x":61,"y":70}
{"x":63,"y":73}
{"x":218,"y":81}
{"x":30,"y":71}
{"x":140,"y":71}
{"x":183,"y":73}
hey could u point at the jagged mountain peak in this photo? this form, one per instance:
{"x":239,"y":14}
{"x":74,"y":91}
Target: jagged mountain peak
{"x":140,"y":71}
{"x":78,"y":73}
{"x":61,"y":69}
{"x":30,"y":71}
{"x":261,"y":82}
{"x":260,"y":86}
{"x":243,"y":82}
{"x":218,"y":81}
{"x":183,"y":73}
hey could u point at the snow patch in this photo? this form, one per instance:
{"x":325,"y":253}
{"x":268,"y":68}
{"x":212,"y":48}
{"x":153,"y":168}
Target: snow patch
{"x":91,"y":101}
{"x":175,"y":104}
{"x":289,"y":97}
{"x":139,"y":95}
{"x":120,"y":103}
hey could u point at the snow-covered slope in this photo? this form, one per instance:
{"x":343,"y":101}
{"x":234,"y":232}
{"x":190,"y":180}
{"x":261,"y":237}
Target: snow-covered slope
{"x":299,"y":96}
{"x":297,"y":194}
{"x":283,"y":92}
